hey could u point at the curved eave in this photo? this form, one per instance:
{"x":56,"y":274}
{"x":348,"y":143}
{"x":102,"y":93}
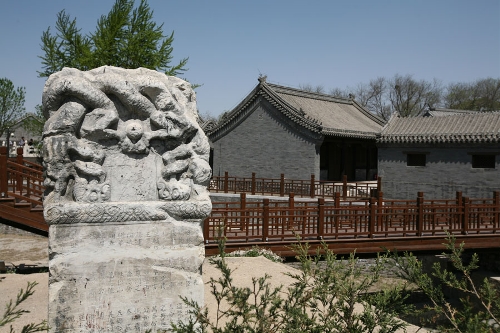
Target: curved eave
{"x":265,"y":92}
{"x":455,"y":138}
{"x":234,"y":114}
{"x":368,"y":114}
{"x":289,"y":111}
{"x":348,"y":134}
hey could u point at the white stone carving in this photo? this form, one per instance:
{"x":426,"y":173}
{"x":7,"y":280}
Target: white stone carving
{"x":126,"y":173}
{"x":102,"y":117}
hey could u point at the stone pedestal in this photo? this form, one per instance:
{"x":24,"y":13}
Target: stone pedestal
{"x":126,"y":173}
{"x":125,"y":277}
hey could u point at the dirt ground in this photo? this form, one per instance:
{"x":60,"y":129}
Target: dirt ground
{"x":33,"y":250}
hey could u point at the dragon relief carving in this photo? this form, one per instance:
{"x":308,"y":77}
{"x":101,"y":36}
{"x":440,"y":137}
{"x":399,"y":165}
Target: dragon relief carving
{"x":109,"y":111}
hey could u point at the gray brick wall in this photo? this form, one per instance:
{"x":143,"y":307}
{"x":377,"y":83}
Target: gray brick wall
{"x":265,"y":144}
{"x":448,"y":169}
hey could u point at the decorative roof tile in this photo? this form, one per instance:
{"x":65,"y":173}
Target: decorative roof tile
{"x":441,"y":112}
{"x":318,"y":113}
{"x":477,"y":127}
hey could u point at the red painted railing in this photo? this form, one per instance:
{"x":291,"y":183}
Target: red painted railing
{"x":20,"y":178}
{"x":264,"y":221}
{"x":301,"y":188}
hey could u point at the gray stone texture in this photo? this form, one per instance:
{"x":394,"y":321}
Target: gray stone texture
{"x":265,"y":142}
{"x":448,"y":170}
{"x":126,"y":174}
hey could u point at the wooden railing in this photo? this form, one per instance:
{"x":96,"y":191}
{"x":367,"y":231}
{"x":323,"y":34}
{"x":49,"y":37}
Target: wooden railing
{"x":273,"y":221}
{"x":302,"y":188}
{"x":20,"y":179}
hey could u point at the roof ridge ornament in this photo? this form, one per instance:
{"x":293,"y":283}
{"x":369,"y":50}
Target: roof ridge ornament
{"x":262,"y":78}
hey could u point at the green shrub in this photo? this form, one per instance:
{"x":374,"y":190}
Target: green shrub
{"x":476,"y":312}
{"x":12,"y":312}
{"x":330,"y":298}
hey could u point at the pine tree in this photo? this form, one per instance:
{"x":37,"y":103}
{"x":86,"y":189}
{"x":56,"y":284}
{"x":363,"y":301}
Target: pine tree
{"x":126,"y":37}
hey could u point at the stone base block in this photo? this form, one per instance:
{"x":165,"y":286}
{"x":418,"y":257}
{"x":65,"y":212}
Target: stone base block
{"x":125,"y":277}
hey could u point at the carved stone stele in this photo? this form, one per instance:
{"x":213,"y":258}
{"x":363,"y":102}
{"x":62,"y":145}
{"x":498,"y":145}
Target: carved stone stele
{"x":126,"y":174}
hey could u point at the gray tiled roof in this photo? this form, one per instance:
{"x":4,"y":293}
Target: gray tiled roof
{"x":319,"y":113}
{"x":337,"y":116}
{"x":478,"y":127}
{"x":441,"y":112}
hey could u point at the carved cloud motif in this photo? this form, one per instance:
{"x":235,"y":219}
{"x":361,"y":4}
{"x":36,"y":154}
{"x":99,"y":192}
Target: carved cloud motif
{"x":98,"y":117}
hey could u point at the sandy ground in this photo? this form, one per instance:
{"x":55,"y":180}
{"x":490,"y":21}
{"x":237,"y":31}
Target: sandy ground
{"x":32,"y":250}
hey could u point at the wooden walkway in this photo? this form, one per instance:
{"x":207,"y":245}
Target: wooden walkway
{"x":340,"y":214}
{"x":21,"y":190}
{"x":361,"y":226}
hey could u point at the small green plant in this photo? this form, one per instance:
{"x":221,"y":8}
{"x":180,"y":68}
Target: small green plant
{"x":332,"y":297}
{"x":12,"y":312}
{"x":477,"y":311}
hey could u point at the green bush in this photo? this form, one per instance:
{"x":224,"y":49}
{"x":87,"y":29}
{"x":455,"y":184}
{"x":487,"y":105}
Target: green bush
{"x":12,"y":312}
{"x":333,"y":297}
{"x":476,"y":312}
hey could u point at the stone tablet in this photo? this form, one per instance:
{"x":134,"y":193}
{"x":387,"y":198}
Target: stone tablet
{"x":126,"y":174}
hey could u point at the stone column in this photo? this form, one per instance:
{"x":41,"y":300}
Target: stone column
{"x":126,"y":172}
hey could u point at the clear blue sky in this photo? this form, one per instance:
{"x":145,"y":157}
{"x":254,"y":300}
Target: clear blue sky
{"x":323,"y":42}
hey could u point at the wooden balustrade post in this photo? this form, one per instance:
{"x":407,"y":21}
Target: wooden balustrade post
{"x":206,"y":232}
{"x":379,"y":184}
{"x":291,"y":210}
{"x":336,"y":213}
{"x":465,"y":220}
{"x":3,"y":172}
{"x":344,"y":187}
{"x":282,"y":185}
{"x":254,"y":184}
{"x":265,"y":221}
{"x":312,"y":190}
{"x":226,"y":181}
{"x":19,"y":177}
{"x":420,"y":214}
{"x":321,"y":218}
{"x":372,"y":218}
{"x":458,"y":202}
{"x":243,"y":208}
{"x":380,"y":204}
{"x":496,"y":217}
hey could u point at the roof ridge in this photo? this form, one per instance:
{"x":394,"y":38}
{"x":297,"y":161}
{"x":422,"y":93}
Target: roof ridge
{"x":467,"y":127}
{"x":310,"y":94}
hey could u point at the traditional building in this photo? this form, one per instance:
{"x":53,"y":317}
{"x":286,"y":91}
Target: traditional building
{"x":278,"y":129}
{"x":440,"y":154}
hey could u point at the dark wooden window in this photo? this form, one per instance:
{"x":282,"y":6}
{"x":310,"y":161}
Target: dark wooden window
{"x":483,"y":161}
{"x":415,"y":159}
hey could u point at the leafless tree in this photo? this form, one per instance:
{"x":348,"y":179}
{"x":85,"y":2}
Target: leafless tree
{"x":339,"y":93}
{"x":319,"y":89}
{"x":410,"y":97}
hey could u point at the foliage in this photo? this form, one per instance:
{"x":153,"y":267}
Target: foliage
{"x":12,"y":312}
{"x":479,"y":308}
{"x":125,"y":37}
{"x":481,"y":95}
{"x":11,"y":104}
{"x":33,"y":122}
{"x":332,"y":297}
{"x":409,"y":97}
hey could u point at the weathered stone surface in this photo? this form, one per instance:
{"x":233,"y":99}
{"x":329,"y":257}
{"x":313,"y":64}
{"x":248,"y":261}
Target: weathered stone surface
{"x":126,"y":169}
